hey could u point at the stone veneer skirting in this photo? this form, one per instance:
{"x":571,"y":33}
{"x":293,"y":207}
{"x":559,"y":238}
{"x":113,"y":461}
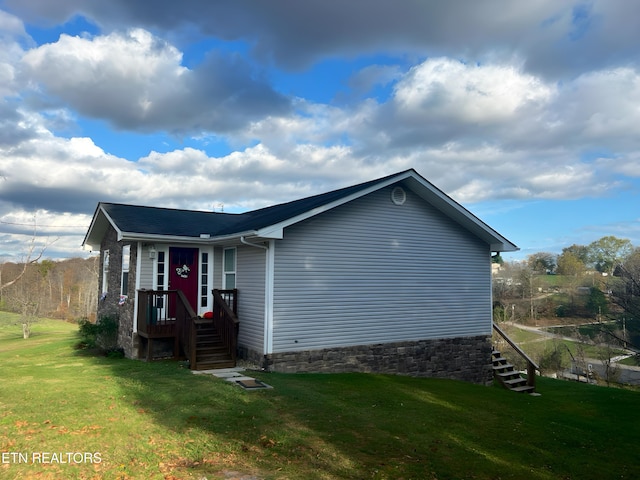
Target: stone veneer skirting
{"x":467,"y":359}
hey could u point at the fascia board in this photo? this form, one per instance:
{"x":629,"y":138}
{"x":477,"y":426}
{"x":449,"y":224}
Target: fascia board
{"x":424,"y":189}
{"x":277,"y":230}
{"x":100,"y":212}
{"x":145,"y":237}
{"x":460,"y":214}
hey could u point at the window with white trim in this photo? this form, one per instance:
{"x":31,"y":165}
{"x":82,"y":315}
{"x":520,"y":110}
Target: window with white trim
{"x":204,"y":279}
{"x":124,"y":283}
{"x":105,"y":271}
{"x":229,"y":269}
{"x":160,"y":273}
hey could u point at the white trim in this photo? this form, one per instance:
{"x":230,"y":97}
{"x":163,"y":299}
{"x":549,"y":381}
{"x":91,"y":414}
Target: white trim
{"x":210,"y":280}
{"x":268,"y":297}
{"x":423,"y":188}
{"x":165,"y":251}
{"x":124,"y":261}
{"x":113,"y":224}
{"x":135,"y":297}
{"x":105,"y":257}
{"x":225,"y":272}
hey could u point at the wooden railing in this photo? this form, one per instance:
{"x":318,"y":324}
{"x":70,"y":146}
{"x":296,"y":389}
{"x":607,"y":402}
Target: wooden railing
{"x":225,"y":311}
{"x":187,"y":334}
{"x":532,"y":366}
{"x":168,"y":314}
{"x":164,"y":314}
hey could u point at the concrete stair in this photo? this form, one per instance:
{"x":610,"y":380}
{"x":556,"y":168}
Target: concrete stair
{"x":508,"y":376}
{"x":210,"y":351}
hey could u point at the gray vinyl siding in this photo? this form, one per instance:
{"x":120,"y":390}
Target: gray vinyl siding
{"x":250,"y":281}
{"x":217,"y":267}
{"x":373,"y":272}
{"x":146,"y":269}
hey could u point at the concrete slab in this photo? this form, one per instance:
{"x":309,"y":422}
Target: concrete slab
{"x":235,"y":375}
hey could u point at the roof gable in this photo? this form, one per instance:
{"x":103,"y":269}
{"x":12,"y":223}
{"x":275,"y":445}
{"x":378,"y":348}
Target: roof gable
{"x":138,"y":222}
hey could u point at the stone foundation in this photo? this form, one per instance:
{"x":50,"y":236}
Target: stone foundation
{"x":467,"y":359}
{"x":109,"y":304}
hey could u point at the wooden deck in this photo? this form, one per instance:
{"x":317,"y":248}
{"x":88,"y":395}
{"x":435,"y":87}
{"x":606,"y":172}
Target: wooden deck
{"x":167,"y":314}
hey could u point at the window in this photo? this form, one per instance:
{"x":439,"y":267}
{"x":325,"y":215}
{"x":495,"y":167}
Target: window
{"x":204,"y":280}
{"x":124,"y":284}
{"x":161,"y":271}
{"x":229,"y":266}
{"x":105,"y":271}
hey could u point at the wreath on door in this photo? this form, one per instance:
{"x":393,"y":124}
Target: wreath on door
{"x":183,"y":271}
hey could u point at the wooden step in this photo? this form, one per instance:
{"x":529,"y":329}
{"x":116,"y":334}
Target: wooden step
{"x":508,"y":376}
{"x":514,"y":382}
{"x":523,"y":389}
{"x":506,"y":366}
{"x":211,"y":353}
{"x":212,"y":365}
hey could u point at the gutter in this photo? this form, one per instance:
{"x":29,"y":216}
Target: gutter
{"x":268,"y":292}
{"x":244,"y":241}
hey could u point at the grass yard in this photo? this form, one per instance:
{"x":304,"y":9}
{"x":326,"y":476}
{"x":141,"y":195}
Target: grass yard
{"x":158,"y":421}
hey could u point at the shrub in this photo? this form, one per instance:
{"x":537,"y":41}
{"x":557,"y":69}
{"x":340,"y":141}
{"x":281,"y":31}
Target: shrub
{"x":102,"y":334}
{"x":88,"y":332}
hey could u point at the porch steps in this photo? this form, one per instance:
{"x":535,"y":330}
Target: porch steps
{"x":508,"y":376}
{"x":210,"y":351}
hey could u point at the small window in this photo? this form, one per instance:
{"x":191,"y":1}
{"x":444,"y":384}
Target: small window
{"x":204,"y":280}
{"x":105,"y":271}
{"x":229,"y":274}
{"x":160,"y":275}
{"x":124,"y":284}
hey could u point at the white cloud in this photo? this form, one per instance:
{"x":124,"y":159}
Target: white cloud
{"x":136,"y":81}
{"x":11,"y":32}
{"x":478,"y":94}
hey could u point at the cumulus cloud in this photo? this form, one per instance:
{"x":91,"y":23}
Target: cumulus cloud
{"x":12,"y":34}
{"x":136,"y":81}
{"x":493,"y":100}
{"x":444,"y":89}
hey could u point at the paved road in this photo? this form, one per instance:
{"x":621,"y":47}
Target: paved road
{"x":628,"y":375}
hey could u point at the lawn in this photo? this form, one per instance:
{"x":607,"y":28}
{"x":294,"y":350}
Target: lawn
{"x":123,"y":419}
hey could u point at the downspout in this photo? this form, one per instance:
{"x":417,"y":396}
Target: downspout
{"x":268,"y":295}
{"x":137,"y":287}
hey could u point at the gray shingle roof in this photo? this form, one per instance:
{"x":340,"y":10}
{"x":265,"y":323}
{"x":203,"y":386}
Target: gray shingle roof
{"x":193,"y":223}
{"x":134,"y":221}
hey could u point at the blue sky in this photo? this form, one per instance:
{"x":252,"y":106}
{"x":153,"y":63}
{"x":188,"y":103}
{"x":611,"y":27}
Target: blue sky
{"x":526,"y":114}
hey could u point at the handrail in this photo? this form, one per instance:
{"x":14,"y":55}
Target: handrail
{"x":225,"y":319}
{"x":531,"y":365}
{"x":167,"y":314}
{"x":187,"y":328}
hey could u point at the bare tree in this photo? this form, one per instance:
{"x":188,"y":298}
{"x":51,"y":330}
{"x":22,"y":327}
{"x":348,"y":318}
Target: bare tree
{"x":32,"y":257}
{"x":28,"y":307}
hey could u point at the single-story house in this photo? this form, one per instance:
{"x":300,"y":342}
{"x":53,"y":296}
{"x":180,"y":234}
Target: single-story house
{"x":391,"y":275}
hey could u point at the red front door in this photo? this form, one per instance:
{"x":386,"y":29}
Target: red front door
{"x":183,"y":273}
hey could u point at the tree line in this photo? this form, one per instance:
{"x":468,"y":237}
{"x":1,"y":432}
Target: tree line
{"x":66,"y":289}
{"x":599,"y":281}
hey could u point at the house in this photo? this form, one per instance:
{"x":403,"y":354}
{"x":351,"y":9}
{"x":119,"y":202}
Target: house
{"x":391,"y":275}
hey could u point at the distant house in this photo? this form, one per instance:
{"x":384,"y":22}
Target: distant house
{"x":390,"y":275}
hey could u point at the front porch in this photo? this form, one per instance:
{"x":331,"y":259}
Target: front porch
{"x":167,"y":316}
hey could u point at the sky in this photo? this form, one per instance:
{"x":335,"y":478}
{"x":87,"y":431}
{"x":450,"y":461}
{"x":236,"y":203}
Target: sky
{"x":526,"y":113}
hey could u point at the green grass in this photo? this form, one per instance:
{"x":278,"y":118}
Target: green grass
{"x":158,"y":421}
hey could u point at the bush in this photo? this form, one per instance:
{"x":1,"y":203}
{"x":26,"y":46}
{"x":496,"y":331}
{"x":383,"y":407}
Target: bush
{"x":103,"y":334}
{"x":88,"y":334}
